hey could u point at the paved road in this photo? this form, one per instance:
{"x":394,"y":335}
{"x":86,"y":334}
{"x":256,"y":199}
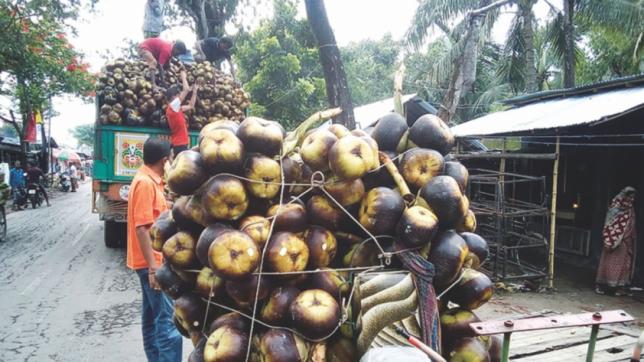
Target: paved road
{"x":63,"y":295}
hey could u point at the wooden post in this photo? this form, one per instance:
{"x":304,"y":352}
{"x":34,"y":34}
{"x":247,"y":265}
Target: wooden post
{"x":553,"y":219}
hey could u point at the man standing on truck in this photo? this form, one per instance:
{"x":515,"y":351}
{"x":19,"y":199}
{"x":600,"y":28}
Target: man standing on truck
{"x":153,"y":20}
{"x":175,"y":116}
{"x":216,"y":50}
{"x":161,"y":340}
{"x":157,"y":53}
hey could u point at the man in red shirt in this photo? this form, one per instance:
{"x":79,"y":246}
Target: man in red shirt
{"x":175,"y":116}
{"x":157,"y":52}
{"x":161,"y":340}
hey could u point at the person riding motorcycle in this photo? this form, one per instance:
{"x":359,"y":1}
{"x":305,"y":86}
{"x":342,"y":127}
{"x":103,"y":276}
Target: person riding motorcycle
{"x":34,"y":176}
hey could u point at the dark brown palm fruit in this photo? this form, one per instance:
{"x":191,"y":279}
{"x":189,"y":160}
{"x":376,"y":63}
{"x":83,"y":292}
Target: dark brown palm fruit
{"x":457,"y":171}
{"x":447,"y":253}
{"x":389,"y":130}
{"x":478,"y":250}
{"x":443,"y":196}
{"x":429,"y":131}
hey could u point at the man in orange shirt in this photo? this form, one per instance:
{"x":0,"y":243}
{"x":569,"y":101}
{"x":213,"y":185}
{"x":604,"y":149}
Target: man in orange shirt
{"x":175,"y":116}
{"x":161,"y":340}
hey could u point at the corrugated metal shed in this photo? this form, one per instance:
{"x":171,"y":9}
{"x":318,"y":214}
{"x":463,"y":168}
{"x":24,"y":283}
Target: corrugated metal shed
{"x":555,"y":113}
{"x":369,"y":113}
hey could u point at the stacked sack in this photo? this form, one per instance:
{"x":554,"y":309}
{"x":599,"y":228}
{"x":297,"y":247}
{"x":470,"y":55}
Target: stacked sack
{"x":126,"y":96}
{"x":256,"y":233}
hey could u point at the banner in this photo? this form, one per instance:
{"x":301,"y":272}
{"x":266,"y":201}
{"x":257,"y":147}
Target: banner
{"x":129,"y":153}
{"x":30,"y":130}
{"x":39,"y":118}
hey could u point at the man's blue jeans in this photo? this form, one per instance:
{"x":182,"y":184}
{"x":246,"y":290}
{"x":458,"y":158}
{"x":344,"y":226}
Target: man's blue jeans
{"x":161,"y":340}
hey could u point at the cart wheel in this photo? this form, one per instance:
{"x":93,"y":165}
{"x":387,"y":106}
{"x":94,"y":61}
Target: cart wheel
{"x":3,"y":224}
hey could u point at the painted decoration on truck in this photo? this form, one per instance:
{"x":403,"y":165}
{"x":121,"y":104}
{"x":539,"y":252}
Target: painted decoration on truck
{"x":129,"y":153}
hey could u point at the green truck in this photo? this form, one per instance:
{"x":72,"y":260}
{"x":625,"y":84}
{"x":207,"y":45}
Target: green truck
{"x":118,"y":153}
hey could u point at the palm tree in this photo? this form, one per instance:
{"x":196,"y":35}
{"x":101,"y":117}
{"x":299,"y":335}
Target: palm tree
{"x":565,"y":26}
{"x":473,"y":22}
{"x":532,"y":58}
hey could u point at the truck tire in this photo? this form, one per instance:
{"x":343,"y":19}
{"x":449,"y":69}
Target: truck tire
{"x":115,"y":234}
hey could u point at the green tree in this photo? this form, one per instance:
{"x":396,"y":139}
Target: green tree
{"x":36,"y":60}
{"x":370,"y":66}
{"x":473,"y":21}
{"x":278,"y":66}
{"x":208,"y":16}
{"x":84,"y":134}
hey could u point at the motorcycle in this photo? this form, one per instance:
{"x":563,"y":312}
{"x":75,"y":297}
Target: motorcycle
{"x":19,"y":199}
{"x":33,"y":192}
{"x":65,"y":182}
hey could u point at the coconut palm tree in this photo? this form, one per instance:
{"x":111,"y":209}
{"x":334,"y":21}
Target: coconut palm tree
{"x":472,"y":23}
{"x":565,"y":26}
{"x":532,"y":58}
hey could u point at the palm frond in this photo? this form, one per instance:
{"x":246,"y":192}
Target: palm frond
{"x":432,"y":12}
{"x":625,"y":15}
{"x":493,"y":94}
{"x":443,"y":67}
{"x":511,"y":67}
{"x":555,"y":36}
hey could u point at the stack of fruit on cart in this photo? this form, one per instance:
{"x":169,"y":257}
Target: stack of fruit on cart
{"x":286,"y":247}
{"x":126,"y":96}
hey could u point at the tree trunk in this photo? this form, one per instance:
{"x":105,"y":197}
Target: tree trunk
{"x":14,"y":123}
{"x":209,"y":15}
{"x":465,"y":70}
{"x":203,"y":19}
{"x":337,"y":90}
{"x":528,"y":41}
{"x":24,"y":104}
{"x":569,"y":38}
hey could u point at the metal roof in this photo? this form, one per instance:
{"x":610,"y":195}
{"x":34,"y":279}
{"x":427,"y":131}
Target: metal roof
{"x":623,"y":82}
{"x":368,"y":114}
{"x":555,"y":113}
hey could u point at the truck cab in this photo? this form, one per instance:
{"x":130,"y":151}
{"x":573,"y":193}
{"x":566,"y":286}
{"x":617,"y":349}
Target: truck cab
{"x":118,"y":153}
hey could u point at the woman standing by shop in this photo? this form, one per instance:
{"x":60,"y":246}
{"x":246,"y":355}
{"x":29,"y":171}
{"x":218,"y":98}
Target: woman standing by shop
{"x":617,"y":263}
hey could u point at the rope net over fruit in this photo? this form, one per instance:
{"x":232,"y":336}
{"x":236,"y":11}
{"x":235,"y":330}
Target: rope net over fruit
{"x":317,"y":182}
{"x":297,"y":234}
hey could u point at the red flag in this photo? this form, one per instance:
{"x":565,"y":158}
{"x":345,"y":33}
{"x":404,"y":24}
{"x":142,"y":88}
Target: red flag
{"x":30,"y":131}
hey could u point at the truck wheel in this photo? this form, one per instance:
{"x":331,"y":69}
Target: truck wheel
{"x":115,"y":234}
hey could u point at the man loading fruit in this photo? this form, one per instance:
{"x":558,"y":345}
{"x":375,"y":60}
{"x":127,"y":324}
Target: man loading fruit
{"x":157,"y":53}
{"x":175,"y":116}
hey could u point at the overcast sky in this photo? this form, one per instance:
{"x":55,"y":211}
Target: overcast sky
{"x":116,"y":20}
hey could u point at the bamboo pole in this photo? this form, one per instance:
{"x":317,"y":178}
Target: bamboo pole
{"x":500,"y":219}
{"x":553,"y":219}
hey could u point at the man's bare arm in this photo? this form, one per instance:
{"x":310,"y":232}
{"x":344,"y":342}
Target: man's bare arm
{"x":193,"y":99}
{"x":184,"y":85}
{"x":232,"y":68}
